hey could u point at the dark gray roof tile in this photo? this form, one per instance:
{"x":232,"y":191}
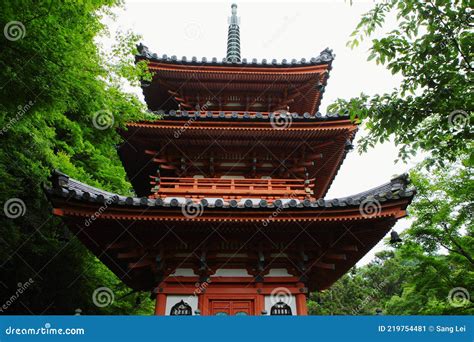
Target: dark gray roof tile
{"x":71,"y":189}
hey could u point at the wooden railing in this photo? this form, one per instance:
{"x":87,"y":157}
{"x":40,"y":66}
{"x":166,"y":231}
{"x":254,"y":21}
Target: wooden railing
{"x":198,"y":188}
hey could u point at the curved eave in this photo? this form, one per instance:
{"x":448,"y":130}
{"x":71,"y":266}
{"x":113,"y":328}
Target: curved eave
{"x":240,"y":116}
{"x":247,"y":126}
{"x":393,"y":209}
{"x":239,"y":69}
{"x":324,"y":58}
{"x":73,"y":198}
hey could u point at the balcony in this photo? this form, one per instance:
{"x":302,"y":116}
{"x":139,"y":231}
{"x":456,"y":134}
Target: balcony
{"x":199,"y":188}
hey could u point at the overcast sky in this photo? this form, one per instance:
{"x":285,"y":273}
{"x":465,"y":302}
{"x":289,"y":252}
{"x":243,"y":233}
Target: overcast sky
{"x":279,"y":30}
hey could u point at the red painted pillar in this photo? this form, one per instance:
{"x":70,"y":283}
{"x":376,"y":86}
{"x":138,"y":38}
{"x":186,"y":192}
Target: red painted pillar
{"x":160,"y":304}
{"x":301,"y":307}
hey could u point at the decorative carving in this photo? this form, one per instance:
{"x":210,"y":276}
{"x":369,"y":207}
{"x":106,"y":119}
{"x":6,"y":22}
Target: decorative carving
{"x":181,"y":309}
{"x":280,"y":309}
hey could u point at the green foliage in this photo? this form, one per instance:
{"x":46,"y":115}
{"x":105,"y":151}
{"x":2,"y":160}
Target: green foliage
{"x":431,"y":49}
{"x":54,"y":83}
{"x":435,"y":257}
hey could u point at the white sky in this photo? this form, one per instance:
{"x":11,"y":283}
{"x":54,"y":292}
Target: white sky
{"x":279,"y":30}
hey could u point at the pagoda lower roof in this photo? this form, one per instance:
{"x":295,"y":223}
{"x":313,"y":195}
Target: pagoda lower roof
{"x":70,"y":192}
{"x":127,"y":233}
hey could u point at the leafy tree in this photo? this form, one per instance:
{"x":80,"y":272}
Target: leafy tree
{"x":60,"y":103}
{"x":439,"y":243}
{"x":431,"y":49}
{"x":431,"y":271}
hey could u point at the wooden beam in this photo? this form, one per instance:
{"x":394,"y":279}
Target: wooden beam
{"x":129,"y":255}
{"x":117,"y":245}
{"x":335,"y":256}
{"x":349,"y":248}
{"x":139,"y":264}
{"x":325,"y":266}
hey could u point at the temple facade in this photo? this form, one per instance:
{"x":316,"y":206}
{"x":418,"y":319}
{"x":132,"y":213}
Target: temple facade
{"x":230,"y":215}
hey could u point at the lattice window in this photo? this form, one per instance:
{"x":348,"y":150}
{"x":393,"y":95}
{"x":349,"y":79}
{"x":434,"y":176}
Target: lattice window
{"x":281,"y":309}
{"x":181,"y":309}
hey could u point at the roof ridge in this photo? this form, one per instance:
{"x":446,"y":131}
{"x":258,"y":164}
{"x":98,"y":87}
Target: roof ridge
{"x":325,"y":57}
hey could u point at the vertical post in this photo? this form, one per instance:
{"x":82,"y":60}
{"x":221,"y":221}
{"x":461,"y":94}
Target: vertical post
{"x":160,"y":304}
{"x":301,"y":308}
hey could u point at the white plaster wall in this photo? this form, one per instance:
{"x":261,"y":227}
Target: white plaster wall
{"x":278,"y":272}
{"x":230,"y":272}
{"x":288,"y":299}
{"x":184,"y":272}
{"x":172,"y":300}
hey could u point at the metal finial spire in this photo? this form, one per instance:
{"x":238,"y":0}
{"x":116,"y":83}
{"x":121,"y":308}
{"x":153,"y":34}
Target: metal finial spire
{"x":233,"y":39}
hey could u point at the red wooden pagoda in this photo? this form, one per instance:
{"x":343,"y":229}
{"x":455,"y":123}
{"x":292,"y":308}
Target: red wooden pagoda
{"x":230,"y":216}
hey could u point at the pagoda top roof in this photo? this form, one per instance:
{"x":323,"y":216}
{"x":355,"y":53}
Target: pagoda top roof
{"x":325,"y":57}
{"x":71,"y":189}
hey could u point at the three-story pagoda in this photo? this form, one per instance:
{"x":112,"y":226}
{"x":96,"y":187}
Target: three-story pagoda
{"x":230,"y":216}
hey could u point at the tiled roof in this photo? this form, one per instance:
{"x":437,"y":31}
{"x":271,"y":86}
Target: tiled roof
{"x":69,"y":188}
{"x":249,"y":116}
{"x":325,"y":57}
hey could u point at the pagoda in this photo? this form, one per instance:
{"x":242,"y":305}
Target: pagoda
{"x":230,"y":215}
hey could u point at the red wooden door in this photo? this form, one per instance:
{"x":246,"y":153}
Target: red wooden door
{"x":232,"y":307}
